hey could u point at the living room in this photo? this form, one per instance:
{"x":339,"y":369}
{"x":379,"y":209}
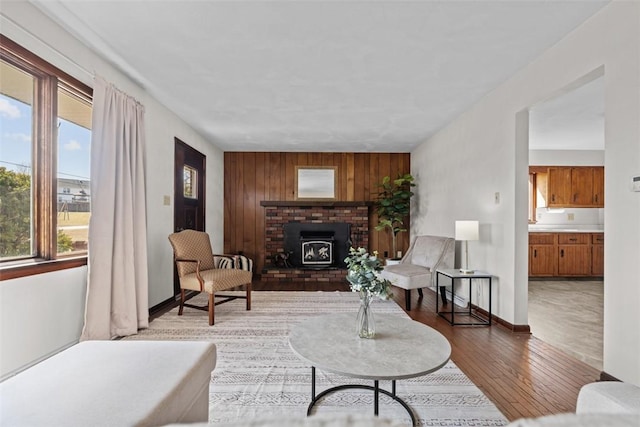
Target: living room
{"x":458,"y":171}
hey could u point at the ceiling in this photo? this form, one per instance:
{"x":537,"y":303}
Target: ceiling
{"x":319,"y":75}
{"x":572,"y":121}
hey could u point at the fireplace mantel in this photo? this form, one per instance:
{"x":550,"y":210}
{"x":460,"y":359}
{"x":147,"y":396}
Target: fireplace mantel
{"x":314,"y":203}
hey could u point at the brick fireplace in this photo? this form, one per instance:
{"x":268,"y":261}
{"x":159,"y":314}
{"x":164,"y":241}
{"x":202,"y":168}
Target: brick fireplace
{"x":279,"y":213}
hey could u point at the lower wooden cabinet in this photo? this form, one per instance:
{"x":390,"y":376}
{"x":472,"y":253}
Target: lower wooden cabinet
{"x":597,"y":254}
{"x":574,"y":260}
{"x":543,"y":261}
{"x":566,"y":254}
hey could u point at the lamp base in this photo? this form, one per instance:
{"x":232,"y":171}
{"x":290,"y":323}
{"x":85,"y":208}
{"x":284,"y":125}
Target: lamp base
{"x":466,"y":271}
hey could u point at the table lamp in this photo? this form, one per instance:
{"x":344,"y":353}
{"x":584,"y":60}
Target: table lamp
{"x":467,"y":230}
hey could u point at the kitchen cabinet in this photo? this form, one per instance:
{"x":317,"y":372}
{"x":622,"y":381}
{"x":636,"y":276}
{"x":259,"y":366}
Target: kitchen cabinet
{"x":566,"y":254}
{"x":579,"y":186}
{"x":542,"y":254}
{"x":559,"y":187}
{"x":574,"y":254}
{"x":597,"y":254}
{"x":598,"y":187}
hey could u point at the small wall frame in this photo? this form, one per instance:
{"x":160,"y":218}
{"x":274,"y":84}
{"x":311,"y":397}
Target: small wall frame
{"x":316,"y":182}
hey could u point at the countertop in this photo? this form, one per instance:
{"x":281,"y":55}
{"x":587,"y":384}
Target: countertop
{"x":566,"y":228}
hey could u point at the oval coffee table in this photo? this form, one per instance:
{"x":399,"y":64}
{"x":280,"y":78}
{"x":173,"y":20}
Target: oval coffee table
{"x":402,"y":348}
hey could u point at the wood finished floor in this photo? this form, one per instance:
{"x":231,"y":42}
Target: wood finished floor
{"x":522,"y":375}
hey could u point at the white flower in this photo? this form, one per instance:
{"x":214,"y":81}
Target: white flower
{"x":364,"y":273}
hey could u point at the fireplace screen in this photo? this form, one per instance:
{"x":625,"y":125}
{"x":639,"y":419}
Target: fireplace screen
{"x":316,"y":246}
{"x":317,"y":252}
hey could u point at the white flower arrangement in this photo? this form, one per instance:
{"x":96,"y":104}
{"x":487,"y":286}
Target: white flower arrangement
{"x":364,"y":273}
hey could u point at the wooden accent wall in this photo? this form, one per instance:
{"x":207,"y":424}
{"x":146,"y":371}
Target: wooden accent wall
{"x":251,"y":177}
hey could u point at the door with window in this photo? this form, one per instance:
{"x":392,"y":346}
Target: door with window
{"x":189,"y":191}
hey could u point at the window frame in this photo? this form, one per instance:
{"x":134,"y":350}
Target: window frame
{"x":44,"y":165}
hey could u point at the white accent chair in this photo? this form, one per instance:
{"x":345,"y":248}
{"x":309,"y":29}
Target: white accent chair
{"x":417,"y":268}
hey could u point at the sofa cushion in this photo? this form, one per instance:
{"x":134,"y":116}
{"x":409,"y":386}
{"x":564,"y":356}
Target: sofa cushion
{"x":609,"y":397}
{"x":112,"y":383}
{"x":579,"y":420}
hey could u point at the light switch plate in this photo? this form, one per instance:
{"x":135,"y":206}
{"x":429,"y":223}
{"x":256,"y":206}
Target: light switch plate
{"x":166,"y":200}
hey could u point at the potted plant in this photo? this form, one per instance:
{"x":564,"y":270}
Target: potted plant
{"x":392,"y":205}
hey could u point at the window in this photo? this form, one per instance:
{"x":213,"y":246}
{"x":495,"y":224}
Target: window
{"x":45,"y":117}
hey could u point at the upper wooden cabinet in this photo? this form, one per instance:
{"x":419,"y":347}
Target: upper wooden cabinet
{"x":578,"y":186}
{"x":598,"y":187}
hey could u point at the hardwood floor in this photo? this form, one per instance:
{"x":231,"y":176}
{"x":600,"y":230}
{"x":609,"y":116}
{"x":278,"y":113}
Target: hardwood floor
{"x":522,"y":375}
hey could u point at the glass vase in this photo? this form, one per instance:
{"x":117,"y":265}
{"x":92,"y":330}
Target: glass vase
{"x":365,"y":326}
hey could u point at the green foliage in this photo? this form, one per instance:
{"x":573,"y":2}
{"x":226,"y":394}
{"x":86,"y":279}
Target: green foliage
{"x":393,"y":204}
{"x":65,"y":243}
{"x":364,"y":273}
{"x":15,"y":213}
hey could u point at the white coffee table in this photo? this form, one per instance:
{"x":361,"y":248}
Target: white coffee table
{"x":401,"y":349}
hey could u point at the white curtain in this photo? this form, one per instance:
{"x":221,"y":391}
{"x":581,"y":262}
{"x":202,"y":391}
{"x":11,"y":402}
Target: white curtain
{"x":117,"y":290}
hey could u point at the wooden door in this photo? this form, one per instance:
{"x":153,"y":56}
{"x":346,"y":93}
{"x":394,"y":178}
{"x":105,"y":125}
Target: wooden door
{"x":582,"y":186}
{"x":597,"y":254}
{"x":188,"y":193}
{"x":559,"y":191}
{"x":598,"y":187}
{"x":542,"y":260}
{"x":189,"y":188}
{"x":574,"y":260}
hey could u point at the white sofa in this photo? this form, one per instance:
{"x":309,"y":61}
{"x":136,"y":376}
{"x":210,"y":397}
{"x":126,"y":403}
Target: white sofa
{"x":113,"y":383}
{"x":599,"y":404}
{"x":417,"y":268}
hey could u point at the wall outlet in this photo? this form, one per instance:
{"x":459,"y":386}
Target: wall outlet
{"x":166,"y":200}
{"x":571,"y":216}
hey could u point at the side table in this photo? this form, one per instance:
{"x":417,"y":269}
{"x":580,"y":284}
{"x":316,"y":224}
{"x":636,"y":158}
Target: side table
{"x":455,"y":274}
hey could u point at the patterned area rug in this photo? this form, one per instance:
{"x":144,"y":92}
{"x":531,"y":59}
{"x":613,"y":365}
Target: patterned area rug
{"x":257,"y":375}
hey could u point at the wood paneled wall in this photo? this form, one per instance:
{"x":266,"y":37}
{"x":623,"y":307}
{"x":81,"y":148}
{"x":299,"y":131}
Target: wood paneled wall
{"x":250,"y":177}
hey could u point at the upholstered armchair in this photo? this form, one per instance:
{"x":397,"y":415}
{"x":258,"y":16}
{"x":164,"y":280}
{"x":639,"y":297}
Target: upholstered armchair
{"x":417,"y":269}
{"x":202,"y":271}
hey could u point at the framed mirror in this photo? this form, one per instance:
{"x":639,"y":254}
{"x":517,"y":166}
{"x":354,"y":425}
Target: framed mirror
{"x":316,"y":182}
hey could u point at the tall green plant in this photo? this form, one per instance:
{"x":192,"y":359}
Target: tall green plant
{"x":393,"y":205}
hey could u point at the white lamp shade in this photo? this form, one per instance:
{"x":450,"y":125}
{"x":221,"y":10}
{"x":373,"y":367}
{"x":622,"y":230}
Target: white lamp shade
{"x":467,"y":230}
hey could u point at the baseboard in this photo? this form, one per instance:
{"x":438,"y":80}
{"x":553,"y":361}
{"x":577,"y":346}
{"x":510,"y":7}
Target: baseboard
{"x":607,"y":377}
{"x":518,"y":329}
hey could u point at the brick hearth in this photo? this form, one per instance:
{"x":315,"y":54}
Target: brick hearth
{"x":279,"y":213}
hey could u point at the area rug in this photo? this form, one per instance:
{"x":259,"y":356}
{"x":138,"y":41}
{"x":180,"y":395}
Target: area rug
{"x":257,"y":375}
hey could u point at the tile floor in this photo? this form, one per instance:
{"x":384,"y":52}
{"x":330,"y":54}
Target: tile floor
{"x":568,"y":314}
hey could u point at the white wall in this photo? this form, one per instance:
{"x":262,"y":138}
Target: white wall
{"x":26,"y":25}
{"x":484,"y":151}
{"x":566,"y":157}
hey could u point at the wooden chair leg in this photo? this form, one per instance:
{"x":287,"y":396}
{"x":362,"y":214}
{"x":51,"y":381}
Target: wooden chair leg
{"x":211,"y":309}
{"x":407,"y":299}
{"x":181,"y":302}
{"x":248,"y":296}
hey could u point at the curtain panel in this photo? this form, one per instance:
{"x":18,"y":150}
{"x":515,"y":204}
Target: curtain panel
{"x":117,"y":289}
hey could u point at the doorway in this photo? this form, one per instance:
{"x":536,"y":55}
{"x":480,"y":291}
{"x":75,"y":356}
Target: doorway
{"x":189,"y":192}
{"x":567,"y":131}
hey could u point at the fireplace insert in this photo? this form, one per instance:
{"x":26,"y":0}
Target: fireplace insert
{"x":317,"y":245}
